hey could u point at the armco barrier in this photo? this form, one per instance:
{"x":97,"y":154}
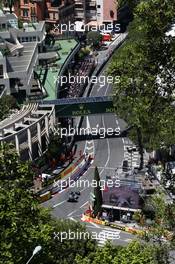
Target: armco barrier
{"x":67,"y":171}
{"x":75,"y":174}
{"x":81,"y":168}
{"x":71,"y":168}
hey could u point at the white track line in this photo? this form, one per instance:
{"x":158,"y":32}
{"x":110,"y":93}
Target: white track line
{"x":84,"y":204}
{"x":55,"y":205}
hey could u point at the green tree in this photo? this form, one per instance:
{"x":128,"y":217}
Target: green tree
{"x":97,"y":192}
{"x":7,"y":103}
{"x":145,"y":65}
{"x":24,"y":224}
{"x":130,"y":3}
{"x":134,"y":253}
{"x":94,"y":38}
{"x":162,"y":215}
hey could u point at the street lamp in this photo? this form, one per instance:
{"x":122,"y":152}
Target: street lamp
{"x":35,"y":251}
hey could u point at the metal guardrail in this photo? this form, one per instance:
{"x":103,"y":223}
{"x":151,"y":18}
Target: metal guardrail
{"x":63,"y":67}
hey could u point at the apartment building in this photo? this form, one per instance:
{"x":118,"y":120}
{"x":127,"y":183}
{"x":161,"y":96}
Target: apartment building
{"x":99,"y":11}
{"x":18,"y":54}
{"x":85,"y":11}
{"x":106,"y":11}
{"x":30,"y":10}
{"x":52,"y":11}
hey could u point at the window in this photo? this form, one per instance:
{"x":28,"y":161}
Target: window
{"x":25,"y":2}
{"x":111,"y":13}
{"x":25,"y":39}
{"x":51,"y":16}
{"x":34,"y":38}
{"x":56,"y":16}
{"x":1,"y":71}
{"x":25,"y":13}
{"x":98,"y":6}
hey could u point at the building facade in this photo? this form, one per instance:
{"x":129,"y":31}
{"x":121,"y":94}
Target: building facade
{"x":101,"y":11}
{"x":30,"y":10}
{"x":106,"y":11}
{"x":52,"y":11}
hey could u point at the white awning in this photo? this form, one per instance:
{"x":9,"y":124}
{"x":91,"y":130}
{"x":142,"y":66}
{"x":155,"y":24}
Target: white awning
{"x":121,"y":208}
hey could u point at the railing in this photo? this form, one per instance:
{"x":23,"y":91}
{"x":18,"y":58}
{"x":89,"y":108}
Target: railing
{"x":63,"y":67}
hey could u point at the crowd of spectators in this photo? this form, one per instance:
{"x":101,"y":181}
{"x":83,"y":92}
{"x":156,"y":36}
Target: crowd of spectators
{"x":80,"y":69}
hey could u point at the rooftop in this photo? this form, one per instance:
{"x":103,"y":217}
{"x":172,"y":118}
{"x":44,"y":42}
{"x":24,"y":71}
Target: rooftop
{"x":31,"y":27}
{"x":49,"y":76}
{"x":21,"y":63}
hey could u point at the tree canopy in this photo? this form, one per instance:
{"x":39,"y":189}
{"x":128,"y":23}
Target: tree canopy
{"x":94,"y":38}
{"x":24,"y":224}
{"x":134,"y":253}
{"x":97,"y":193}
{"x":145,"y":64}
{"x":7,"y":103}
